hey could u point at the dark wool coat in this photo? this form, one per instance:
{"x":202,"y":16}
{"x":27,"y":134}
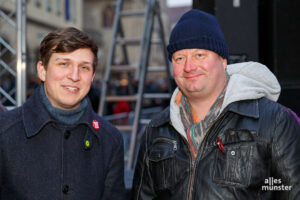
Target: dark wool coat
{"x":41,"y":159}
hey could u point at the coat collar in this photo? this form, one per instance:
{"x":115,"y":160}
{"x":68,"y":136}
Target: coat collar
{"x":36,"y":117}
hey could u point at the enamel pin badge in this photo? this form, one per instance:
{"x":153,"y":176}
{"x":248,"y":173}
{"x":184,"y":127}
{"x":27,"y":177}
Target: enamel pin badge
{"x":96,"y":124}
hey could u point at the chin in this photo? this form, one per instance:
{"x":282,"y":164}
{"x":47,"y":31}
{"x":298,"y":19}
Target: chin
{"x":193,"y":89}
{"x":70,"y":105}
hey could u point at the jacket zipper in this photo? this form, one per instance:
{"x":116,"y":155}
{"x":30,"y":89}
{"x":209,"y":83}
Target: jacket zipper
{"x":190,"y":157}
{"x":194,"y":161}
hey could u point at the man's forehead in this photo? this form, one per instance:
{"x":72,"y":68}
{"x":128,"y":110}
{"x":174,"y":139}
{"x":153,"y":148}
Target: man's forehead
{"x":82,"y":56}
{"x":191,"y":50}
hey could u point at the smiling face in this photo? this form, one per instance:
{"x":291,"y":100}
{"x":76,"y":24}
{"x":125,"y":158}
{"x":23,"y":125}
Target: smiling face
{"x":199,"y":72}
{"x":67,"y":77}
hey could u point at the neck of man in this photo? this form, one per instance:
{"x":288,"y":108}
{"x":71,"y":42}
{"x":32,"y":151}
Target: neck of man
{"x":201,"y":105}
{"x":201,"y":102}
{"x":66,"y":117}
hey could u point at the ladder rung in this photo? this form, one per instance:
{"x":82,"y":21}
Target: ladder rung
{"x":130,"y":68}
{"x":135,"y":41}
{"x":145,"y":121}
{"x":123,"y":68}
{"x":156,"y":68}
{"x":129,"y":13}
{"x":156,"y":41}
{"x":134,"y":97}
{"x":131,"y":41}
{"x":157,"y":96}
{"x":121,"y":98}
{"x":124,"y":127}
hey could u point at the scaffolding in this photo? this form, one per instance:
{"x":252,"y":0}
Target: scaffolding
{"x":13,"y":52}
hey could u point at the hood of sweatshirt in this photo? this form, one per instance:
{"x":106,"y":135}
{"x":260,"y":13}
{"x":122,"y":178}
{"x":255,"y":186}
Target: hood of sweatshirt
{"x":248,"y":80}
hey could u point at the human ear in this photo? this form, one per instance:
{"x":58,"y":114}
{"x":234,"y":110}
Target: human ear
{"x":93,"y":76}
{"x":41,"y":71}
{"x":224,"y":62}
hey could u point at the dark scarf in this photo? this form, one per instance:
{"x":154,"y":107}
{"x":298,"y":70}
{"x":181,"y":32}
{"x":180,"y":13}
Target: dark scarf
{"x":67,"y":117}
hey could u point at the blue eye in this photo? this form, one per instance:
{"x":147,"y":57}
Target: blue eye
{"x":63,"y":64}
{"x":87,"y":68}
{"x":178,"y":59}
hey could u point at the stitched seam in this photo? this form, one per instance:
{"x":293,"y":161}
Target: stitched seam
{"x":143,"y":168}
{"x":280,"y":166}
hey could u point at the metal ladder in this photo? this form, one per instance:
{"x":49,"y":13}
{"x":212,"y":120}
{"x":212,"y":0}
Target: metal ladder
{"x":151,"y":12}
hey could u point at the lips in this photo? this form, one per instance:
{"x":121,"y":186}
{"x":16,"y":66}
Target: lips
{"x":193,"y":76}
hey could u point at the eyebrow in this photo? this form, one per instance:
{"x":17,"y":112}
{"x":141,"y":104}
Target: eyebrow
{"x":67,"y":59}
{"x":86,"y":62}
{"x":201,"y":50}
{"x":62,"y":59}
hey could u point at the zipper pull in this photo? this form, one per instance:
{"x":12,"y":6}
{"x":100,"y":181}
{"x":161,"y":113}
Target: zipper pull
{"x":193,"y":163}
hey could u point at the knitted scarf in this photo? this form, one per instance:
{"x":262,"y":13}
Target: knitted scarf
{"x":195,"y":129}
{"x":67,"y":117}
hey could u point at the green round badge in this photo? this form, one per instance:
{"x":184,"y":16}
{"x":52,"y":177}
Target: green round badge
{"x":87,"y":143}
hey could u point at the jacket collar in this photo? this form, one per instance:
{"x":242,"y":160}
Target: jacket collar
{"x":35,"y":116}
{"x":247,"y":108}
{"x":161,"y":118}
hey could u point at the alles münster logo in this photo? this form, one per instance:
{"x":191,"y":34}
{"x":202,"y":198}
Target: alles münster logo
{"x":273,"y":184}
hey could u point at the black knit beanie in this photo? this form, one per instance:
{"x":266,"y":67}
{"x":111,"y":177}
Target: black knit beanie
{"x":197,"y":30}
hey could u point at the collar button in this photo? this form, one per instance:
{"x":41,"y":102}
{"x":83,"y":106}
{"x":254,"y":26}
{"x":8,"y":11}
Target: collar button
{"x":67,"y":134}
{"x":65,"y":189}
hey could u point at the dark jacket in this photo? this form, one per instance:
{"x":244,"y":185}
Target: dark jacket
{"x":261,"y":144}
{"x":42,"y":159}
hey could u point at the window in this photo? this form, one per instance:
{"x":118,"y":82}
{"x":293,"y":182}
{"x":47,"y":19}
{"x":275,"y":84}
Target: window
{"x":108,"y":16}
{"x":37,"y":3}
{"x":57,"y":7}
{"x":48,"y":6}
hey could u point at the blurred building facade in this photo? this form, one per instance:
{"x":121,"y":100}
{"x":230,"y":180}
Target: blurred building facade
{"x":42,"y":16}
{"x":98,"y":16}
{"x":92,"y":16}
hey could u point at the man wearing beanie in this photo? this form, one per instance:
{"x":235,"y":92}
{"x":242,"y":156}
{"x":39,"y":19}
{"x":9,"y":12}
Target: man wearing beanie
{"x":223,"y":135}
{"x":55,"y":146}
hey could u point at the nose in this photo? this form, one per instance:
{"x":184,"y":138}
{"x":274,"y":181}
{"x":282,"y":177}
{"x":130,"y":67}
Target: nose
{"x":189,"y":65}
{"x":74,"y":74}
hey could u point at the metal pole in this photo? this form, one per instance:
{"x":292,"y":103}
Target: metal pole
{"x":21,"y":52}
{"x":143,"y":64}
{"x":162,"y":37}
{"x":101,"y":110}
